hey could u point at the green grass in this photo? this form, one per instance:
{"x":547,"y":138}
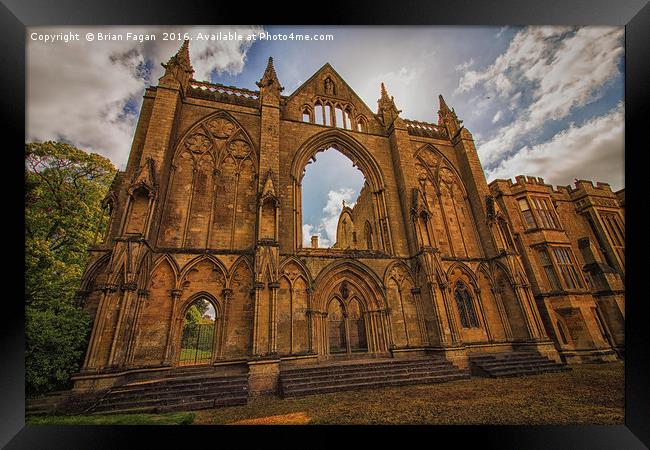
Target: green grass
{"x":177,"y":418}
{"x":192,"y":353}
{"x":589,"y":394}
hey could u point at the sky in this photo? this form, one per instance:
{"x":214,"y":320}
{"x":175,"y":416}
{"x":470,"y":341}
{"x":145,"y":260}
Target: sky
{"x":539,"y":101}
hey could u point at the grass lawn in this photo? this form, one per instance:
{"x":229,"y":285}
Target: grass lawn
{"x":193,"y":354}
{"x":176,"y":418}
{"x":589,"y":394}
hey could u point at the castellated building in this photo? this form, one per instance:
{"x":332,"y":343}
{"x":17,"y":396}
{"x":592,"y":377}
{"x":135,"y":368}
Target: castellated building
{"x":203,"y":262}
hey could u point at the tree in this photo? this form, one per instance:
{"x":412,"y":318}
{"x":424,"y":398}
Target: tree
{"x":196,"y":312}
{"x":64,"y":188}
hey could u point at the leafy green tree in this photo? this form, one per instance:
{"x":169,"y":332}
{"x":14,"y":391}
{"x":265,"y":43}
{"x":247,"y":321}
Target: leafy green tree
{"x":64,"y":187}
{"x":196,"y":312}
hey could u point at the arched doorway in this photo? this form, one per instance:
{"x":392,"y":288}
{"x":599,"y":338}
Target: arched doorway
{"x":199,"y":333}
{"x":346,"y":327}
{"x":336,"y":327}
{"x":356,"y":327}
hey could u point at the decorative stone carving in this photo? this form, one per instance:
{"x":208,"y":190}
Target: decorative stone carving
{"x":198,"y":143}
{"x":447,"y":176}
{"x":221,"y":128}
{"x":239,"y":149}
{"x":344,"y":290}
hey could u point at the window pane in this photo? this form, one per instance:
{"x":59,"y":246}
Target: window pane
{"x":328,"y":115}
{"x":318,"y":113}
{"x":338,"y":117}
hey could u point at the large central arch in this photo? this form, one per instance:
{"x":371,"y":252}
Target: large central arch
{"x":361,"y":158}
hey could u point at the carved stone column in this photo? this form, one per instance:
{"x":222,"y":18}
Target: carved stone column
{"x":525,"y":307}
{"x":128,"y":290}
{"x":536,"y":320}
{"x":502,"y":313}
{"x":445,"y":289}
{"x":143,"y":294}
{"x":100,"y":319}
{"x":401,"y":304}
{"x":226,"y":295}
{"x":479,"y":300}
{"x":417,"y":299}
{"x":320,"y":335}
{"x":310,"y":320}
{"x":273,"y":325}
{"x":257,"y":287}
{"x":437,"y":312}
{"x":170,"y":353}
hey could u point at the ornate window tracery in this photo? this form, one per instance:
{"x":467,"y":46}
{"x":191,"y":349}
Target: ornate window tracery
{"x":468,"y":318}
{"x":334,"y":113}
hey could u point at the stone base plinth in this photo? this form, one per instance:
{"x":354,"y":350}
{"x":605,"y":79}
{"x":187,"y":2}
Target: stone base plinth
{"x":263,"y":376}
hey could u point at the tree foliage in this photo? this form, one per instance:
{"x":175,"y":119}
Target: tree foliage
{"x":64,"y":188}
{"x":196,"y":312}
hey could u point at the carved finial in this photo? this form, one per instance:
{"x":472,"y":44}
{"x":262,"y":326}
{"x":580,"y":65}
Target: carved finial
{"x":181,"y":59}
{"x":179,"y":67}
{"x":448,"y":118}
{"x":443,"y":105}
{"x":387,"y":109}
{"x":344,"y":204}
{"x":270,"y":77}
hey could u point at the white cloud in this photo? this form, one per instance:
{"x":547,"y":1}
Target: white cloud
{"x":326,"y":229}
{"x":496,"y":117}
{"x":77,"y":91}
{"x":563,"y":68}
{"x":593,"y":150}
{"x":466,"y":65}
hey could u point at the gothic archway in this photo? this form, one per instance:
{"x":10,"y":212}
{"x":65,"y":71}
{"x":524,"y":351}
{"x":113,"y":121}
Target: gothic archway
{"x":199,"y":337}
{"x":350,"y":311}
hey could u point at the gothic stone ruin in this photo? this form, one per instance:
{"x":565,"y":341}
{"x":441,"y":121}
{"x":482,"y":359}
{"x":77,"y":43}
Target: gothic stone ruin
{"x":431,"y":262}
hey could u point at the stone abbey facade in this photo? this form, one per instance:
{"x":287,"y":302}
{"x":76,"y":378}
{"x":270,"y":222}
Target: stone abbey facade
{"x":431,"y":260}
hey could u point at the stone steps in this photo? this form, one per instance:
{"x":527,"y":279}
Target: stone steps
{"x":513,"y":364}
{"x":45,"y":404}
{"x":191,"y":391}
{"x":335,"y":378}
{"x":331,"y":370}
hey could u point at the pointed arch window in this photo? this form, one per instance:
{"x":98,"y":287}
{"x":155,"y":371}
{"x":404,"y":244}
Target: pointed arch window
{"x":318,"y":114}
{"x":338,"y":117}
{"x":468,"y":318}
{"x":306,"y":115}
{"x":361,"y":125}
{"x":348,"y":119}
{"x":328,"y":115}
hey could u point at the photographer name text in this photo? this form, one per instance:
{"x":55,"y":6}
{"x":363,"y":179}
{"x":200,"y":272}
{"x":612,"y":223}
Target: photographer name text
{"x":51,"y":38}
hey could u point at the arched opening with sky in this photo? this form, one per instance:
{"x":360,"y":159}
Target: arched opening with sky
{"x":328,"y":181}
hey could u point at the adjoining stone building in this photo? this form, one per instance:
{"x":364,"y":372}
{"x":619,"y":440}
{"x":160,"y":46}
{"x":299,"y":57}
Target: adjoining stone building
{"x":431,"y":260}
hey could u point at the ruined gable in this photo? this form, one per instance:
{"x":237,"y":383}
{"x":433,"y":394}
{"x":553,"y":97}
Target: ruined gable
{"x":326,"y":88}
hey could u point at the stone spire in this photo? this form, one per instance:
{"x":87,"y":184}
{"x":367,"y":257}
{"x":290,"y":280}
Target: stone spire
{"x":387,"y":110}
{"x":447,"y":118}
{"x":179,"y":68}
{"x":269,"y":84}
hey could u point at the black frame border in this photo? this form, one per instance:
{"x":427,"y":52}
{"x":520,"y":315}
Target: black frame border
{"x":16,"y":15}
